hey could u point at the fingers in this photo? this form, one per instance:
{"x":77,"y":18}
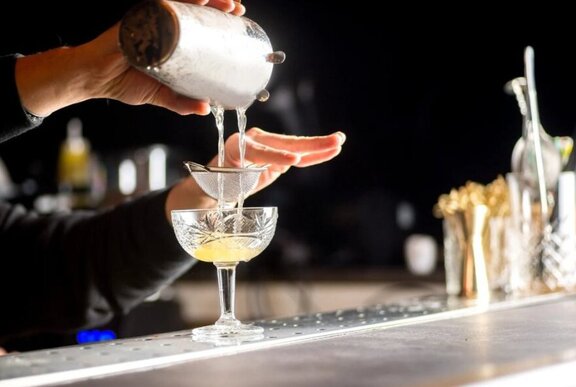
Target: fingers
{"x":180,"y":104}
{"x":314,"y":158}
{"x":281,"y":152}
{"x":258,"y":153}
{"x":262,"y":154}
{"x":239,"y":9}
{"x":297,"y":143}
{"x":222,"y":5}
{"x":230,"y":6}
{"x":284,"y":150}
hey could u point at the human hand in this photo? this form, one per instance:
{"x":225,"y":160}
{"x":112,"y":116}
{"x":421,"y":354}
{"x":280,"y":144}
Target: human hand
{"x":54,"y":79}
{"x":131,"y":86}
{"x":234,"y":7}
{"x":280,"y":152}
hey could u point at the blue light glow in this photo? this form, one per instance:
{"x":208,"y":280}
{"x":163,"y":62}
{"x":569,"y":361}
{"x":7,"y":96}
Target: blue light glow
{"x":93,"y":335}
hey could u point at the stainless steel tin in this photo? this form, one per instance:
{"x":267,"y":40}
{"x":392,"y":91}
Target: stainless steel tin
{"x":199,"y":51}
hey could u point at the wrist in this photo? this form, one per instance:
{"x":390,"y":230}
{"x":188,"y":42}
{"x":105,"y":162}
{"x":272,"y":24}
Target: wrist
{"x":187,"y":194}
{"x":49,"y":81}
{"x":33,"y":118}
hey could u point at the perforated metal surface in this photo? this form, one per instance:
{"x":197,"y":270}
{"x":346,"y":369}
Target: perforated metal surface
{"x":66,"y":364}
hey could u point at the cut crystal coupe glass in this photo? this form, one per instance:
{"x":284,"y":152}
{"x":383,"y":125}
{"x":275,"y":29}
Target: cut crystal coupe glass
{"x":225,"y":237}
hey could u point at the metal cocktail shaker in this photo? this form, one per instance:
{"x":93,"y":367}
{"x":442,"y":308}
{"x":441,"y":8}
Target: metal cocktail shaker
{"x":199,"y":51}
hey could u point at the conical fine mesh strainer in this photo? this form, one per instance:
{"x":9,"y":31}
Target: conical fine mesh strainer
{"x":235,"y":181}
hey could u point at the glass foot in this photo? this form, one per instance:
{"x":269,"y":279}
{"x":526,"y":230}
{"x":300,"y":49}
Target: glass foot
{"x":220,"y":341}
{"x":216,"y":331}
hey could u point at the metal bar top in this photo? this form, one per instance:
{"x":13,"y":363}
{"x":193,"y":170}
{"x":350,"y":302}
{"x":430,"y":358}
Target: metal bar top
{"x":311,"y":339}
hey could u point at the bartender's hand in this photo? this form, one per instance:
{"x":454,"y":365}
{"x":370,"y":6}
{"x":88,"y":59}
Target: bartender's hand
{"x":233,"y":7}
{"x":279,"y":151}
{"x":51,"y":80}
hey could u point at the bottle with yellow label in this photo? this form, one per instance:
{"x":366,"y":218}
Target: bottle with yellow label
{"x":74,"y":167}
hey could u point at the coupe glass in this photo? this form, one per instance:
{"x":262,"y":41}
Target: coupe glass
{"x":225,"y":237}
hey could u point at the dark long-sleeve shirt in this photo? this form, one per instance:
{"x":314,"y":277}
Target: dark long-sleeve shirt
{"x":63,"y":272}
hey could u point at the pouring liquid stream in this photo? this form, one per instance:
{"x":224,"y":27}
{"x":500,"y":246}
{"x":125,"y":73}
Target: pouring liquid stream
{"x":218,"y":113}
{"x":241,"y":117}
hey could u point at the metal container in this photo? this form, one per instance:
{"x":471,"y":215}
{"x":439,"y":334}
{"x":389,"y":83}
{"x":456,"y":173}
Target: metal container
{"x":199,"y":51}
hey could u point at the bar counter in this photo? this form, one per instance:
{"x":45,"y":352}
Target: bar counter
{"x":428,"y":341}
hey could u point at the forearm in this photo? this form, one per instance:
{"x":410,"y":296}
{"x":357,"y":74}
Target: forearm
{"x":67,"y":272}
{"x":138,"y":250}
{"x":53,"y":79}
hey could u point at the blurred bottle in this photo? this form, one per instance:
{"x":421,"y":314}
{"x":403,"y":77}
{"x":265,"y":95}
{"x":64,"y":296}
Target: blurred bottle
{"x":421,"y":254}
{"x":75,"y":167}
{"x":7,"y":187}
{"x":555,"y":150}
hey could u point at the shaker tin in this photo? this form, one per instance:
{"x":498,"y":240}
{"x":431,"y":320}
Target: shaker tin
{"x":199,"y":51}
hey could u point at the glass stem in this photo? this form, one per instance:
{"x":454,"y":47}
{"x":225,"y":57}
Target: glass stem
{"x":227,"y":292}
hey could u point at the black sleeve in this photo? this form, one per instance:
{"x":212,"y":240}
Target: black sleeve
{"x":15,"y":120}
{"x":59,"y":273}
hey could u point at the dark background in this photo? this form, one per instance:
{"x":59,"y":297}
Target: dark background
{"x":418,"y":91}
